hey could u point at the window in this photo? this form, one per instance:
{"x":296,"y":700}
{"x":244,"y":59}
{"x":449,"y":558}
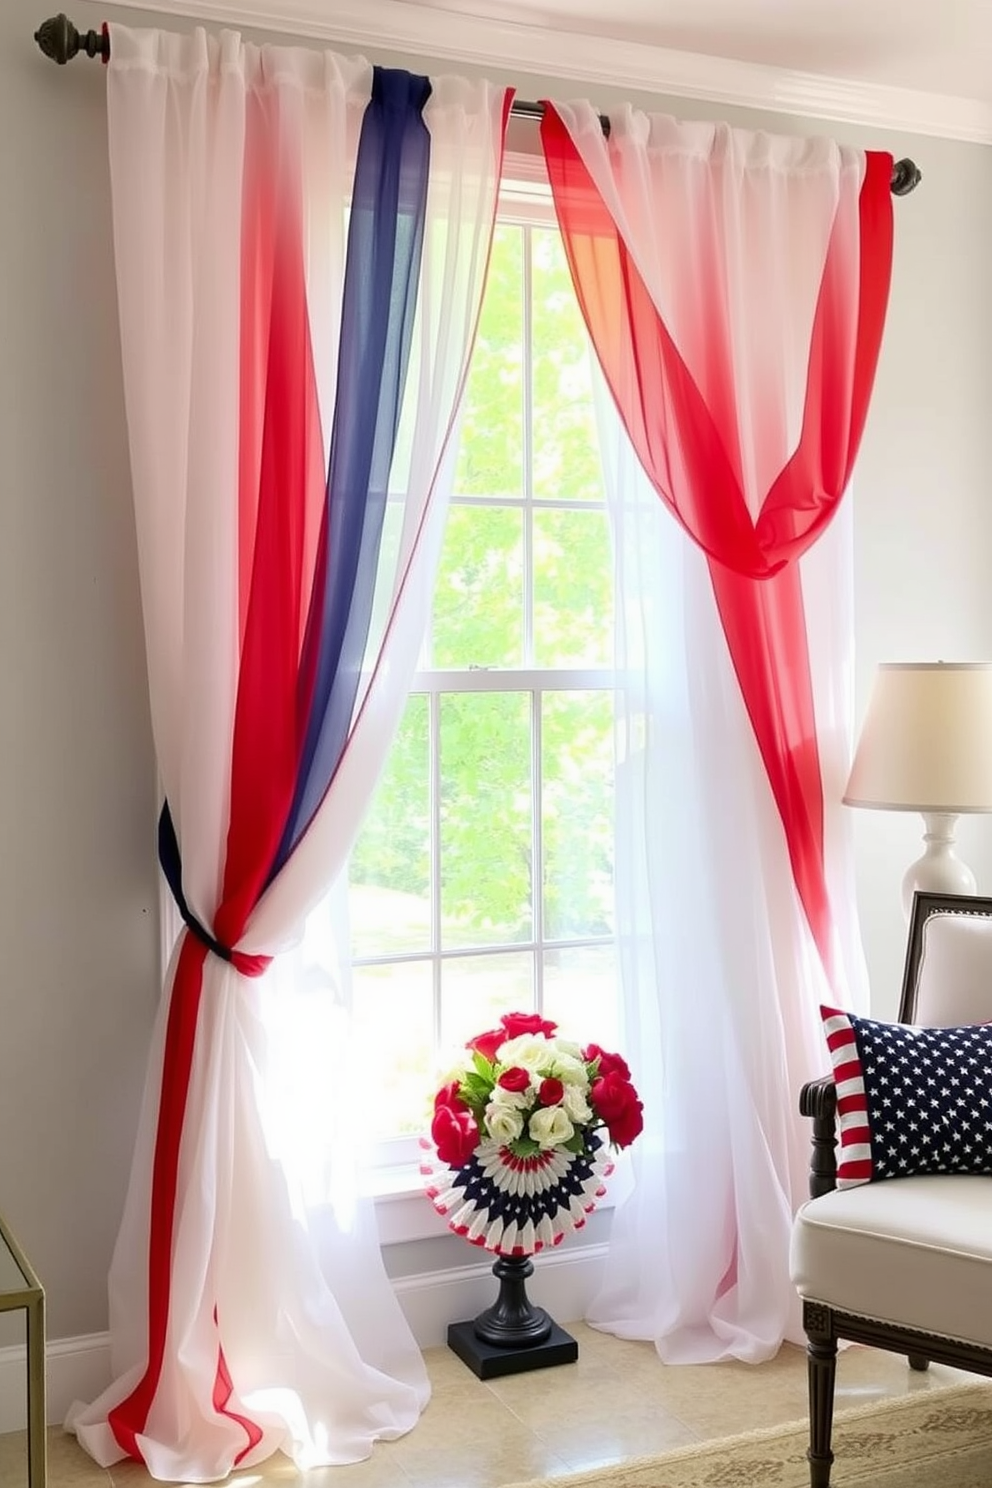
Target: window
{"x":482,"y":880}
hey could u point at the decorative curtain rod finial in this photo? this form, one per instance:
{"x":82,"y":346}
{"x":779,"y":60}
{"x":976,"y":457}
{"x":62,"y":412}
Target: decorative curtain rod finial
{"x":60,"y":40}
{"x":906,"y":176}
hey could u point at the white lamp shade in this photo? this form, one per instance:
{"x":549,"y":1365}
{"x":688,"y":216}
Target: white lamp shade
{"x":926,"y":742}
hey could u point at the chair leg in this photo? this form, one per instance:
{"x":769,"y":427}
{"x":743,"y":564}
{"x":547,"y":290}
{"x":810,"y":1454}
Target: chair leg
{"x":918,"y":1361}
{"x":821,"y":1354}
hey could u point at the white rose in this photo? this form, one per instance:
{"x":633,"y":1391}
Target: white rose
{"x":505,"y":1123}
{"x":575,"y":1104}
{"x":570,"y":1070}
{"x":569,"y":1047}
{"x":550,"y":1127}
{"x":516,"y":1099}
{"x":531,"y":1051}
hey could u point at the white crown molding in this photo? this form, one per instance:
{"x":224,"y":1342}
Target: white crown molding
{"x":501,"y":45}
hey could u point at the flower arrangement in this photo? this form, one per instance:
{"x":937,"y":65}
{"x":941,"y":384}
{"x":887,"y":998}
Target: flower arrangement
{"x":523,"y":1086}
{"x":518,"y":1133}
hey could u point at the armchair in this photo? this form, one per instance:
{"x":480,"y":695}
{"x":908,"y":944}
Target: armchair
{"x":902,"y":1263}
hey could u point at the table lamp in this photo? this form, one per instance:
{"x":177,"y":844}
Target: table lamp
{"x":926,"y":745}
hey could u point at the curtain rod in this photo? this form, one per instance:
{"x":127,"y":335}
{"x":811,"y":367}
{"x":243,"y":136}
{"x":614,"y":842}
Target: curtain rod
{"x":59,"y":39}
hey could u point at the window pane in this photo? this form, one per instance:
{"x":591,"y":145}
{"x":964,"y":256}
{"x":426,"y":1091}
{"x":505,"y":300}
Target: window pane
{"x":577,"y":813}
{"x":566,"y":448}
{"x":573,"y":588}
{"x":486,"y":823}
{"x":490,"y":456}
{"x":476,"y":990}
{"x":389,"y":900}
{"x":479,"y":596}
{"x":462,"y":835}
{"x":580,"y":994}
{"x":393,"y":1021}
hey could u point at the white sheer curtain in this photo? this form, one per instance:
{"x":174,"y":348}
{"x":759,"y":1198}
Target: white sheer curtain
{"x":274,"y":1325}
{"x":734,"y":285}
{"x":720,"y":977}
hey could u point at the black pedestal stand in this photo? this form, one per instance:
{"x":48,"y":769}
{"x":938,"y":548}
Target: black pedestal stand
{"x":513,"y":1334}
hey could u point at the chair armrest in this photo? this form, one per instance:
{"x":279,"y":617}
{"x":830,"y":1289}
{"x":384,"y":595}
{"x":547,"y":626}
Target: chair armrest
{"x":818,"y":1099}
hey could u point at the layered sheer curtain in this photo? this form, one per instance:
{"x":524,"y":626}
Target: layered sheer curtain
{"x":734,"y":287}
{"x":719,"y":973}
{"x":301,"y":243}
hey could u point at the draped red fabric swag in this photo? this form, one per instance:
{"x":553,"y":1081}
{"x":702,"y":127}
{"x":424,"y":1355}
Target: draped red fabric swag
{"x":690,"y":447}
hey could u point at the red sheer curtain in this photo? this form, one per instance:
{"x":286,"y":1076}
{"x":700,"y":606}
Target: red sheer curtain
{"x":691,"y":448}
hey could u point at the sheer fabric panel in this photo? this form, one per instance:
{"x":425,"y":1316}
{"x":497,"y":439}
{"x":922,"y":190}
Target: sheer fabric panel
{"x":720,"y":976}
{"x":272,"y":1325}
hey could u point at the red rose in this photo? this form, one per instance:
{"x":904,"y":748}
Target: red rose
{"x":517,"y":1023}
{"x":611,"y":1094}
{"x":455,"y":1134}
{"x":487,"y":1043}
{"x":607,"y":1062}
{"x":447,"y":1096}
{"x":514,"y":1078}
{"x":551,"y":1092}
{"x":615,"y":1100}
{"x":624,"y":1128}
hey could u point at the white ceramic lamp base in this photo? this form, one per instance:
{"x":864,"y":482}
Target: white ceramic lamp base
{"x":939,"y":870}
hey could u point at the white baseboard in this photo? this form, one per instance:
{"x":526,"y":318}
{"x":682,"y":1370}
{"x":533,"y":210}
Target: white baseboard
{"x":79,"y":1368}
{"x":564,"y":1283}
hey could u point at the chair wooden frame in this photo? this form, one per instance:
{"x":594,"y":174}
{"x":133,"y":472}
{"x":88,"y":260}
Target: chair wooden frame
{"x":825,"y":1325}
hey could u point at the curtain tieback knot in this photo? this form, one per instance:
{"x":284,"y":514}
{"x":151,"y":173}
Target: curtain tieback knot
{"x":168,"y":856}
{"x":250,"y":966}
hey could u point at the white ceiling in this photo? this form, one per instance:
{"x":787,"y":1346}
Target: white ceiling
{"x":935,"y":46}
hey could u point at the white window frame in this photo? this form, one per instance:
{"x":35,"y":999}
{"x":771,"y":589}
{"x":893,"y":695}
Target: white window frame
{"x":392,"y":1175}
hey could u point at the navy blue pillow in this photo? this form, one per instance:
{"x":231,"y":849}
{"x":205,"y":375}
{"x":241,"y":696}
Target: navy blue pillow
{"x":910,"y":1100}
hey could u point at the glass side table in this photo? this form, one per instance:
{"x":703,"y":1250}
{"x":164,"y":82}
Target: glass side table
{"x":19,"y":1287}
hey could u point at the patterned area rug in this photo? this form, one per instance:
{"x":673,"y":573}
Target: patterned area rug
{"x":931,"y":1439}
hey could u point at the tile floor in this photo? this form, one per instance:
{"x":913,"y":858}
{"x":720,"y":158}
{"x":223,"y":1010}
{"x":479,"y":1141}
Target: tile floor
{"x":617,"y":1401}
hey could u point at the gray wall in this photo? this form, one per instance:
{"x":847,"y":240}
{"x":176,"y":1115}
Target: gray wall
{"x":77,"y":912}
{"x":923,"y":517}
{"x":77,"y":784}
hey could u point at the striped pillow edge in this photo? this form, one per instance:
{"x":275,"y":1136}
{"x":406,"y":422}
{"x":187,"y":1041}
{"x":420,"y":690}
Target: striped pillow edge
{"x":854,"y":1160}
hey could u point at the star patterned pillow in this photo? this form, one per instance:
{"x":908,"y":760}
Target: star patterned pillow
{"x":910,"y":1100}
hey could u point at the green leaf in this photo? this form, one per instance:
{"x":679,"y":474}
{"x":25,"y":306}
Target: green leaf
{"x":485,"y":1066}
{"x":524,"y":1147}
{"x":476,"y":1088}
{"x":576,"y":1143}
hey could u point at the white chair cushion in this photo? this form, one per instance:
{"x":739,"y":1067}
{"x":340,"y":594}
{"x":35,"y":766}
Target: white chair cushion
{"x":911,"y":1251}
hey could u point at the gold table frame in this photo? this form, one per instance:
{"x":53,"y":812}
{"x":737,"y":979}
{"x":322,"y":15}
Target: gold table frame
{"x":20,"y":1287}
